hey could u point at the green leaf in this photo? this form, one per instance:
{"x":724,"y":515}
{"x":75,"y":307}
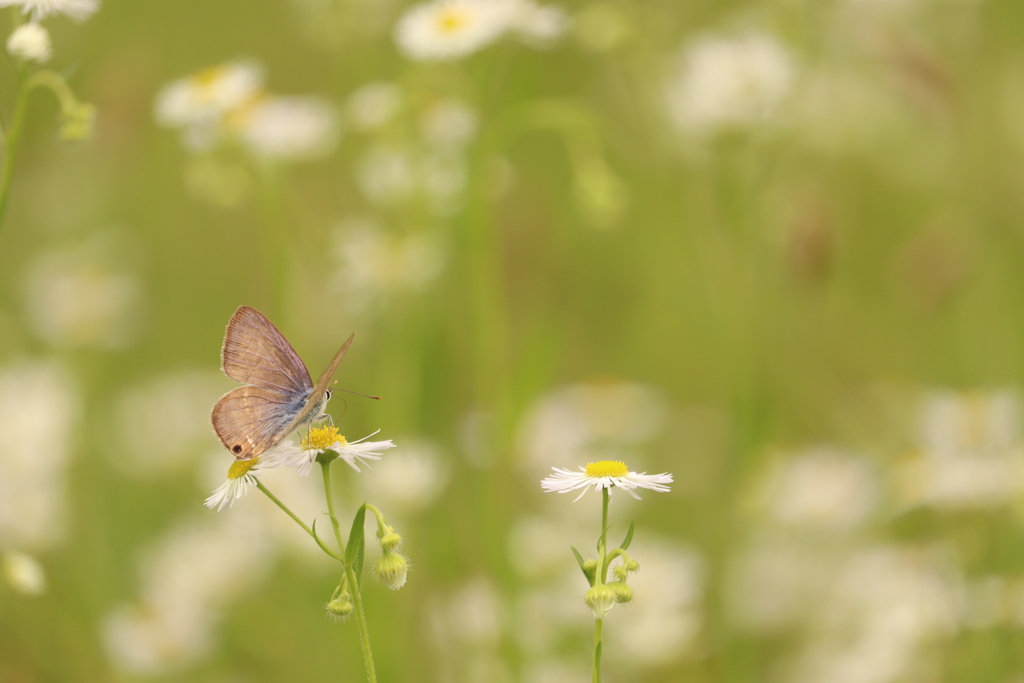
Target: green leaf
{"x":579,"y":558}
{"x":629,"y":537}
{"x":357,"y":544}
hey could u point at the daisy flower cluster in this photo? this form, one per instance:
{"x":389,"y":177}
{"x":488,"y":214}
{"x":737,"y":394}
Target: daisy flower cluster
{"x":228,"y":105}
{"x":449,"y":29}
{"x":243,"y":474}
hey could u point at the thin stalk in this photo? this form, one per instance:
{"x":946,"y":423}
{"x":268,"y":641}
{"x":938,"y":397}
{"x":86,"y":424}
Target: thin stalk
{"x":602,"y":574}
{"x":357,"y":597}
{"x":298,"y":521}
{"x":13,"y":138}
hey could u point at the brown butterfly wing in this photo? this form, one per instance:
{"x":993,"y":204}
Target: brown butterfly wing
{"x":316,"y":396}
{"x":250,"y":420}
{"x":256,"y":353}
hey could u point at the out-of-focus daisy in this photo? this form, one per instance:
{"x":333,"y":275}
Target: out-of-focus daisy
{"x":210,"y":92}
{"x":449,"y":123}
{"x":373,"y":266}
{"x":605,"y":474}
{"x":241,"y":476}
{"x":730,"y":81}
{"x":292,"y":128}
{"x":30,"y":42}
{"x":447,"y":29}
{"x":373,"y":105}
{"x":320,"y":439}
{"x":40,"y":9}
{"x":538,"y":25}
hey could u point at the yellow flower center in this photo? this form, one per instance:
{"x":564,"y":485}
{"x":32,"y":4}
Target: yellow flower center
{"x":607,"y":468}
{"x":451,"y":21}
{"x":322,"y":438}
{"x":240,"y":467}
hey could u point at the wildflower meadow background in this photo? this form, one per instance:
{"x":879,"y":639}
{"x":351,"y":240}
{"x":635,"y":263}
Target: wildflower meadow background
{"x":775,"y":249}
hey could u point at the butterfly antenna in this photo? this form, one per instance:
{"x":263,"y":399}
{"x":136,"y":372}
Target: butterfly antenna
{"x":349,"y":391}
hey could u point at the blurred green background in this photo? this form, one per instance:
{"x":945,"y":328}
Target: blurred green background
{"x":773,"y":248}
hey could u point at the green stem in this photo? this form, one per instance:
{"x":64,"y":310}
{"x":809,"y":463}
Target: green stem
{"x":13,"y":138}
{"x":602,"y":574}
{"x":357,"y":596}
{"x":298,"y":521}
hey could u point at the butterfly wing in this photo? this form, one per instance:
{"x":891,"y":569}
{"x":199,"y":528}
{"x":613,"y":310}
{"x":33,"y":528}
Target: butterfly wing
{"x":316,"y":396}
{"x":250,"y":420}
{"x":256,"y":353}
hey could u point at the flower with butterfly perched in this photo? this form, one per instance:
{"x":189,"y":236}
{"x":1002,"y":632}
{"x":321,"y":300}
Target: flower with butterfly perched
{"x":605,"y":474}
{"x":327,"y":438}
{"x":241,"y":475}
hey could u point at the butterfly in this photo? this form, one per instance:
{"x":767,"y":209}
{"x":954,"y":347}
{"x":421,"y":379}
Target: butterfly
{"x":278,"y":395}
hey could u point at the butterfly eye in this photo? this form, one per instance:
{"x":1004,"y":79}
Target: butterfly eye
{"x":328,"y":394}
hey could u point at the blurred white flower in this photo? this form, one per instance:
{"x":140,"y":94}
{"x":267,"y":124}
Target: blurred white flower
{"x":599,"y":420}
{"x":199,"y":101}
{"x":40,"y":9}
{"x":443,"y":176}
{"x":30,"y":42}
{"x":970,"y":452}
{"x":386,"y":175}
{"x":538,"y":25}
{"x":408,"y":481}
{"x":164,"y":423}
{"x":722,"y":82}
{"x":372,"y":264}
{"x":36,"y":398}
{"x":23,"y":572}
{"x":886,"y":606}
{"x":75,"y":300}
{"x":448,"y":29}
{"x":289,"y":128}
{"x":187,"y":578}
{"x":471,"y":616}
{"x":664,"y":617}
{"x":821,"y":488}
{"x":373,"y":105}
{"x":449,"y":123}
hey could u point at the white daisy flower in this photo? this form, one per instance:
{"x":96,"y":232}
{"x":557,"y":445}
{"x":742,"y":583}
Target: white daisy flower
{"x":30,"y":42}
{"x":447,"y":29}
{"x":209,"y":94}
{"x":40,"y":9}
{"x":293,"y":128}
{"x":604,"y":475}
{"x":320,"y":439}
{"x":241,"y":475}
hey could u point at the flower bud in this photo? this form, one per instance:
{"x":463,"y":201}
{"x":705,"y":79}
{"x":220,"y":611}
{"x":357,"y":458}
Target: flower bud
{"x":620,"y":572}
{"x":391,"y":541}
{"x":590,"y":569}
{"x":79,"y":122}
{"x":340,"y":607}
{"x":391,"y":569}
{"x":600,"y":599}
{"x":623,"y":593}
{"x":632,"y":565}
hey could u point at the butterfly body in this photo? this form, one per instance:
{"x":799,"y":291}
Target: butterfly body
{"x":278,"y":395}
